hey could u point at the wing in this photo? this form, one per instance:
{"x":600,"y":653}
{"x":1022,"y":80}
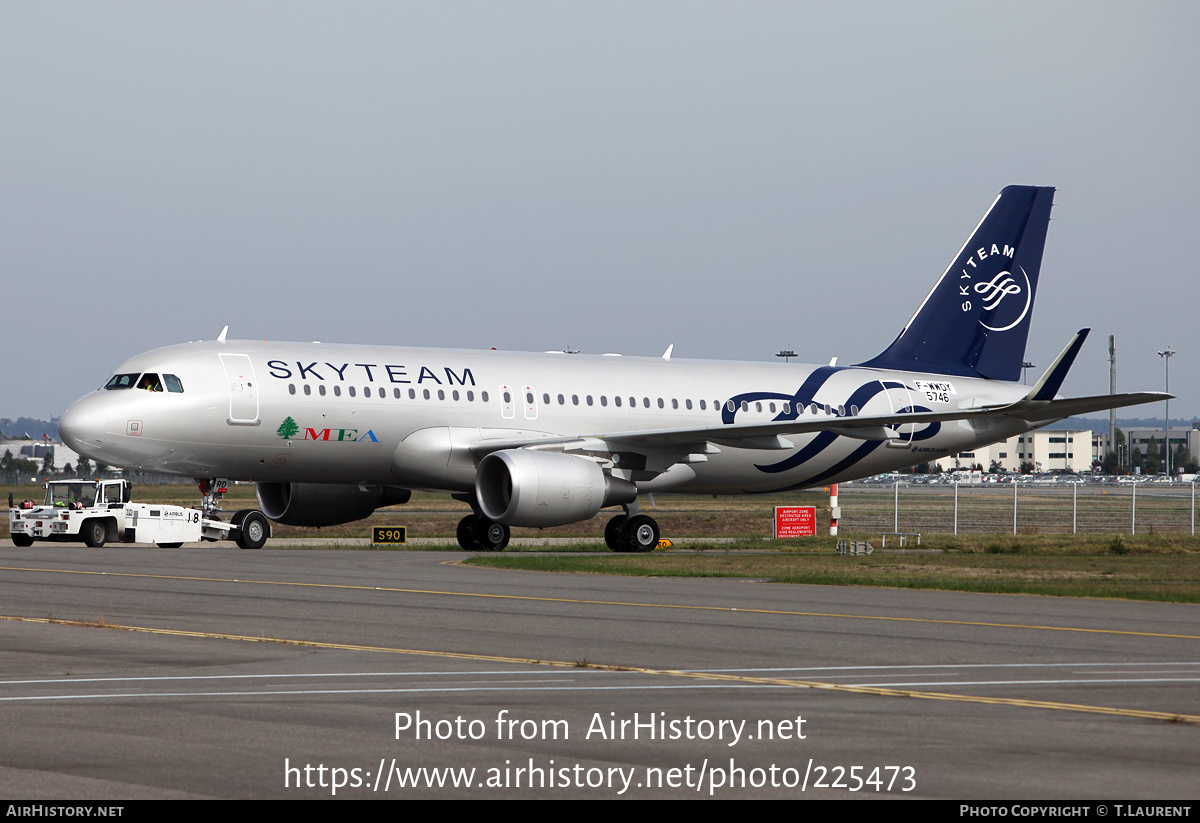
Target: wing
{"x":662,"y":448}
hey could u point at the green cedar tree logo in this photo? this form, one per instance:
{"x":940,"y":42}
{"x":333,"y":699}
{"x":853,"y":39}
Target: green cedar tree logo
{"x":287,"y":429}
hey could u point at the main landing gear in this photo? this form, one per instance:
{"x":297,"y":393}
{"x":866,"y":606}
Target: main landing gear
{"x":476,"y":533}
{"x":631,"y":532}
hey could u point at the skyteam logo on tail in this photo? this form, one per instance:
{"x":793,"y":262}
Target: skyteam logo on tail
{"x":994,"y":292}
{"x":993,"y":295}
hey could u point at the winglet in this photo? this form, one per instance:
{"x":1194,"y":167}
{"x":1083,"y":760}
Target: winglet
{"x":667,"y":354}
{"x":1049,"y":384}
{"x":221,"y":336}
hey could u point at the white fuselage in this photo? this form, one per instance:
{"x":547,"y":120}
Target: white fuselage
{"x":322,"y":413}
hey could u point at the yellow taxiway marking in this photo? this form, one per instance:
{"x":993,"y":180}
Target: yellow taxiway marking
{"x":729,"y":678}
{"x":623,"y":603}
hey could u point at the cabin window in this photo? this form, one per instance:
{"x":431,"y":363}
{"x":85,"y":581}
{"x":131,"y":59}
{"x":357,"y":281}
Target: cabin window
{"x":787,"y":406}
{"x":351,"y":388}
{"x":589,"y":400}
{"x":412,"y":394}
{"x":454,"y":394}
{"x":173,"y":383}
{"x":425,"y":393}
{"x":483,"y":396}
{"x":507,"y":398}
{"x":729,"y":405}
{"x":574,"y":400}
{"x":702,"y":405}
{"x":674,"y":403}
{"x":688,"y":404}
{"x":441,"y":395}
{"x":617,"y":399}
{"x":772,"y":408}
{"x":291,"y":388}
{"x":470,"y":397}
{"x":337,"y":391}
{"x":745,"y":406}
{"x":396,"y":393}
{"x":321,"y":390}
{"x":603,"y":400}
{"x":757,"y":407}
{"x":561,"y":400}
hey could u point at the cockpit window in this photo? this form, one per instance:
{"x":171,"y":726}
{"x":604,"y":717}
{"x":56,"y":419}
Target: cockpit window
{"x":150,"y":382}
{"x":121,"y":381}
{"x":173,"y":384}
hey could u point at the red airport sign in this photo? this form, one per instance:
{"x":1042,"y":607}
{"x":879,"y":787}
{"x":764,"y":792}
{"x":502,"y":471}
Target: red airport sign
{"x":795,"y":521}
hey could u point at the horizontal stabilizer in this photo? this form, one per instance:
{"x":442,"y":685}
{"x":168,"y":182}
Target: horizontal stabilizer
{"x":1037,"y":411}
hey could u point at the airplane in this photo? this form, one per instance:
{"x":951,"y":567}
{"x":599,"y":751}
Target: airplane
{"x":329,"y":433}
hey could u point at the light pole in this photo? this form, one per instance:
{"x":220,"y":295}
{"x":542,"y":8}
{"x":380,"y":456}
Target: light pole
{"x":1166,"y":355}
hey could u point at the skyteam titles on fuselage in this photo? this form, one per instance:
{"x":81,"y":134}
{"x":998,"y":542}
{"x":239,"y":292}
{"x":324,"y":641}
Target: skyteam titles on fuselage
{"x":282,"y":370}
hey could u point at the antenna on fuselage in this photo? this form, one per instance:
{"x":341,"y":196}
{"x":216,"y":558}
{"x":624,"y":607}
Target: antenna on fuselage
{"x":221,"y":336}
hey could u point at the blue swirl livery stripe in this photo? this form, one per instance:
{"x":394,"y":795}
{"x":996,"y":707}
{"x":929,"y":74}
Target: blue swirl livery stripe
{"x":804,"y":397}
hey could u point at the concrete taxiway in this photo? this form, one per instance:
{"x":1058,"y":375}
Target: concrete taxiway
{"x":213,"y":672}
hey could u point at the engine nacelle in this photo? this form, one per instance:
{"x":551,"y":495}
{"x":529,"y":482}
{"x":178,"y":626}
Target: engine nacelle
{"x":522,"y":487}
{"x":324,"y":504}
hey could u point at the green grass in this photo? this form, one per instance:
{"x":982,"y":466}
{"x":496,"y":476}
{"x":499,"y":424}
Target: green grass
{"x":1152,"y":568}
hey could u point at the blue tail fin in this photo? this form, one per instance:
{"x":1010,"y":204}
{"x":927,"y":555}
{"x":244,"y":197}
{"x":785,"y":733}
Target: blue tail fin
{"x":976,"y":320}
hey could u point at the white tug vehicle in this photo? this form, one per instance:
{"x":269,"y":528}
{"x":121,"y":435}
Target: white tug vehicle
{"x":100,"y":511}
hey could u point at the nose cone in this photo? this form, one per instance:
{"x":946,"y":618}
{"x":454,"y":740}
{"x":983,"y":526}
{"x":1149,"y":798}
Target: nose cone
{"x":83,"y":426}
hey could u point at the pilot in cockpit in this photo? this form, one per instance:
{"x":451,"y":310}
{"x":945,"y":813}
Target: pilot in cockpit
{"x":150,"y":382}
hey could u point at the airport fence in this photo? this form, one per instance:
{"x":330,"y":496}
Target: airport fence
{"x":1019,"y":508}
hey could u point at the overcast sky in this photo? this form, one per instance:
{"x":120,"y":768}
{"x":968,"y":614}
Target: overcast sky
{"x":732,"y":178}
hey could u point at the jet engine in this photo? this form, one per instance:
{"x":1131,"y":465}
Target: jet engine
{"x":324,"y":504}
{"x":523,"y":487}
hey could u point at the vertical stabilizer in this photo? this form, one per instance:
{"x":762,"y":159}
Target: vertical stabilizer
{"x":975,"y":321}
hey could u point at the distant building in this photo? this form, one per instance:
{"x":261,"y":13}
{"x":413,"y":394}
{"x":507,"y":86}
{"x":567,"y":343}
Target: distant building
{"x":36,"y":450}
{"x":1047,"y":450}
{"x":1140,"y":439}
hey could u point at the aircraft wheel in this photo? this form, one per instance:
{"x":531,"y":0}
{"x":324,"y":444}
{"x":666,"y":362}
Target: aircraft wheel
{"x":465,"y":534}
{"x":491,"y":536}
{"x":253,"y":531}
{"x":22,"y":540}
{"x":641,"y":533}
{"x":614,"y":534}
{"x":94,"y":533}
